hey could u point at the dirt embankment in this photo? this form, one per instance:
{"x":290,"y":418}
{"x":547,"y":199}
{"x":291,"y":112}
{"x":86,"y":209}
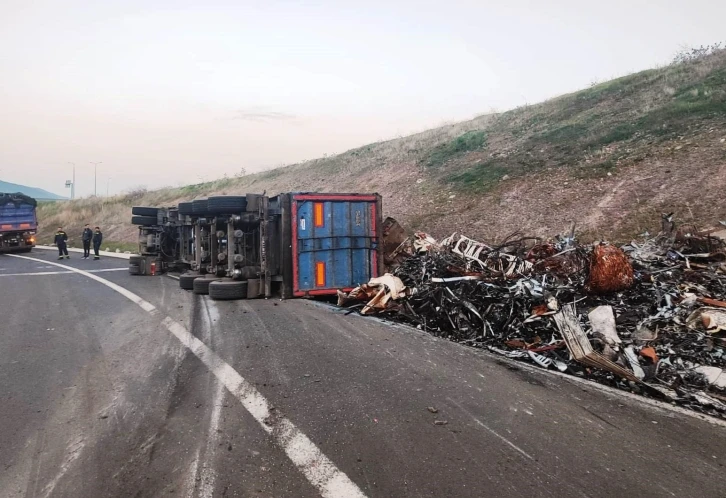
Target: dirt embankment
{"x":610,"y":158}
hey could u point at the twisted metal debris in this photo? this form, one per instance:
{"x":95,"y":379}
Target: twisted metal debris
{"x":649,"y":317}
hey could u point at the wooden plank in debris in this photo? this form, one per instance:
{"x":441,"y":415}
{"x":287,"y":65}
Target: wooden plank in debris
{"x":580,"y":347}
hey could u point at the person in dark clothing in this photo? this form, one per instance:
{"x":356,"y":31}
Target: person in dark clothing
{"x":97,"y":239}
{"x":87,"y":236}
{"x":60,"y":240}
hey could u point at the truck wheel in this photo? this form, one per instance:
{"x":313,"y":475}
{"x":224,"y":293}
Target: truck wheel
{"x":134,"y":269}
{"x":145,"y":221}
{"x":200,"y":206}
{"x":186,"y":208}
{"x":201,"y":285}
{"x":227,"y":290}
{"x":186,"y":280}
{"x":144,"y":211}
{"x":227,"y":204}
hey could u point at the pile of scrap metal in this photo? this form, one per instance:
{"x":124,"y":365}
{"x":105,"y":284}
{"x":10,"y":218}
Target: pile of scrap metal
{"x":648,"y":317}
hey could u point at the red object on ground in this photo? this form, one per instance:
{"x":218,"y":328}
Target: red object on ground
{"x":649,"y":352}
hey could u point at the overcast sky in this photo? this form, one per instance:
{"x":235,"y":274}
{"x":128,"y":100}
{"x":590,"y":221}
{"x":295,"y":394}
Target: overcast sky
{"x":173,"y":92}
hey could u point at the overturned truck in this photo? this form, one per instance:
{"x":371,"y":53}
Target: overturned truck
{"x":289,"y":245}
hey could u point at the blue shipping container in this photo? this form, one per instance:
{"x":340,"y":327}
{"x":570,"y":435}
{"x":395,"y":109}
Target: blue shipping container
{"x":335,"y":241}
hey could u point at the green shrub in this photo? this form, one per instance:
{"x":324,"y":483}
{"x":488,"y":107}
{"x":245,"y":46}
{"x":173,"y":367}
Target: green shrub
{"x":469,"y":141}
{"x":618,"y":133}
{"x":480,"y":177}
{"x":566,"y":133}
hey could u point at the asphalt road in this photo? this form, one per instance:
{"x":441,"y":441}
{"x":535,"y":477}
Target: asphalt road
{"x":98,"y":398}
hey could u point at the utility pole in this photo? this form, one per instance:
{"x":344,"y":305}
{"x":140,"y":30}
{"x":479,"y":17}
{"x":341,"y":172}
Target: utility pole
{"x":73,"y":182}
{"x":108,"y":182}
{"x":95,"y":178}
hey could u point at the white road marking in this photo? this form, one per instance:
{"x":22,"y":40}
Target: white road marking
{"x":39,"y":273}
{"x":207,"y":474}
{"x":35,"y":274}
{"x":319,"y":470}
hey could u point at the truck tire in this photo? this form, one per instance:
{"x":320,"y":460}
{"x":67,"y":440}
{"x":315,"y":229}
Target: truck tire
{"x":186,"y":280}
{"x":145,"y":221}
{"x":144,"y":211}
{"x":137,"y":260}
{"x":227,"y":290}
{"x":201,"y":284}
{"x":186,"y":208}
{"x":200,"y":206}
{"x":134,"y":269}
{"x":227,"y":204}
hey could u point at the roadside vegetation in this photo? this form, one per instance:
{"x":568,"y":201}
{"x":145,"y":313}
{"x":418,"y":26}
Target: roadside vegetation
{"x":610,"y":157}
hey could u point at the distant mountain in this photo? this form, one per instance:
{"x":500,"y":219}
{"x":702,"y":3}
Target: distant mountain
{"x":36,"y":193}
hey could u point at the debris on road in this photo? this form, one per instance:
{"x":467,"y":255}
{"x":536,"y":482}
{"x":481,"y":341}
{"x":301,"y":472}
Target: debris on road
{"x":377,"y":293}
{"x":649,"y":317}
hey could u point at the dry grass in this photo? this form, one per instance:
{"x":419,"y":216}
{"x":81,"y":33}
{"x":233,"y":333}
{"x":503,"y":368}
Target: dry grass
{"x":113,"y":215}
{"x":610,"y":157}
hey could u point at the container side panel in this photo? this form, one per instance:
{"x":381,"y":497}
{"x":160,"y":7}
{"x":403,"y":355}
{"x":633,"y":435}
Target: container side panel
{"x":306,"y":265}
{"x":337,"y":235}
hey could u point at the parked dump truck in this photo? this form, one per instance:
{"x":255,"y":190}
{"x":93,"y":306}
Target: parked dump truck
{"x":293,"y":244}
{"x":18,"y":222}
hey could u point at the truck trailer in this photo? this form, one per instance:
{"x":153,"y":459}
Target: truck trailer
{"x":292,"y":245}
{"x":18,"y":222}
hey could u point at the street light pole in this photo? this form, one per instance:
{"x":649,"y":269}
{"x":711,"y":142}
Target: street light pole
{"x":95,"y":178}
{"x":73,"y":182}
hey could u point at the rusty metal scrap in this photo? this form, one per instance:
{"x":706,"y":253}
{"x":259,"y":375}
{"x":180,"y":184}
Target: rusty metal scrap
{"x":610,"y":270}
{"x":393,"y":236}
{"x":649,"y":317}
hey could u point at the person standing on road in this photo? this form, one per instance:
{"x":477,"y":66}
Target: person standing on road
{"x":87,"y":236}
{"x":97,"y":239}
{"x":60,"y":240}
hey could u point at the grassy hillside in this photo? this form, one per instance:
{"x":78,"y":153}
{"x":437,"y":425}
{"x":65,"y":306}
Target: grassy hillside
{"x":611,"y":158}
